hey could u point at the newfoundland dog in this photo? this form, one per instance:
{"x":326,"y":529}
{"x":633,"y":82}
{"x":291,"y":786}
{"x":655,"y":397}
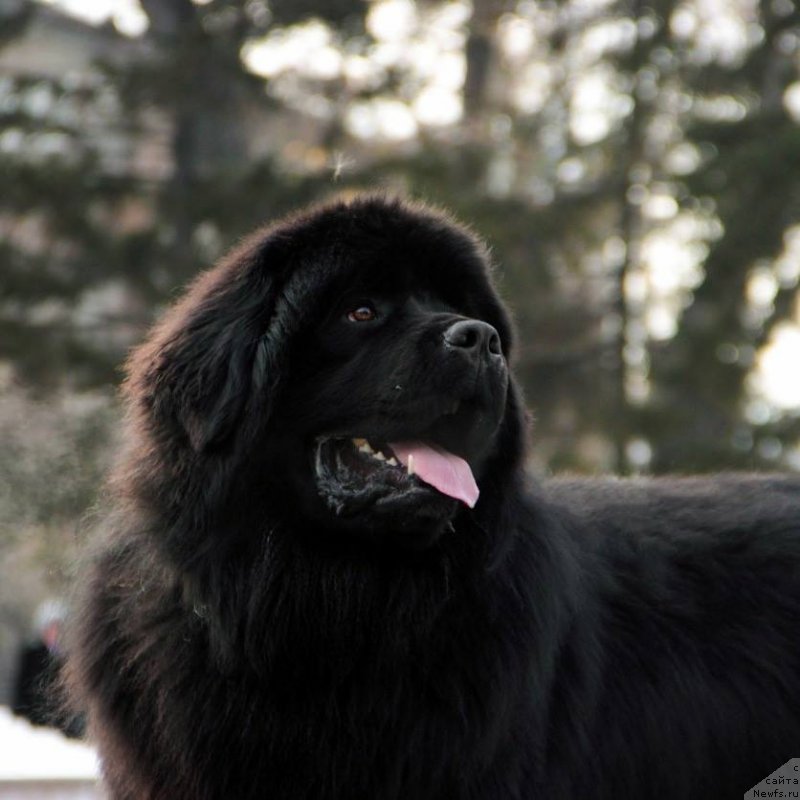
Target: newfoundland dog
{"x":326,"y":574}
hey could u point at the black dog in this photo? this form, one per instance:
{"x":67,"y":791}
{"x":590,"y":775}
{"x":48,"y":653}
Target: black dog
{"x":326,"y":576}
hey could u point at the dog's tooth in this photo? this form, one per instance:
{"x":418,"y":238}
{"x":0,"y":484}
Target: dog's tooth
{"x":364,"y":448}
{"x":410,"y":465}
{"x":380,"y":456}
{"x":392,"y":461}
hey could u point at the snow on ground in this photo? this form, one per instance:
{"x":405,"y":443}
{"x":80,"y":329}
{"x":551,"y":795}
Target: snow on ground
{"x":29,"y":753}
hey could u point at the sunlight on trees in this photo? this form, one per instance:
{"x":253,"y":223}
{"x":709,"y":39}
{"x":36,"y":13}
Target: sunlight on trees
{"x":636,"y":168}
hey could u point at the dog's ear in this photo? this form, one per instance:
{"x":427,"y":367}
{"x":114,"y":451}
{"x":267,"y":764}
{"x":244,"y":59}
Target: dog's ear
{"x":203,"y":363}
{"x":212,"y":392}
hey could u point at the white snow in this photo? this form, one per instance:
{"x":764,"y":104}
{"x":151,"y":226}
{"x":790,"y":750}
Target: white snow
{"x":29,"y":753}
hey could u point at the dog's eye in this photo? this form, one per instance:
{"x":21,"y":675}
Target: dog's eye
{"x":363,"y":313}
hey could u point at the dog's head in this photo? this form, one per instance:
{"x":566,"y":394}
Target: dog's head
{"x":347,"y":367}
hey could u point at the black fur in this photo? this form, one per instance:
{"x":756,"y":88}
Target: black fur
{"x":240,"y":636}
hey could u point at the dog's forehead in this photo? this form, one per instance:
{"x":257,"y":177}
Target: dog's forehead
{"x":387,"y":247}
{"x":385,"y":233}
{"x":388,"y":258}
{"x":399,"y":272}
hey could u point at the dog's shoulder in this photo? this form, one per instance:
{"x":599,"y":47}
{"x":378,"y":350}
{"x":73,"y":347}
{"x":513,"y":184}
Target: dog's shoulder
{"x":708,"y":548}
{"x":676,"y":506}
{"x":691,"y":589}
{"x":721,"y":539}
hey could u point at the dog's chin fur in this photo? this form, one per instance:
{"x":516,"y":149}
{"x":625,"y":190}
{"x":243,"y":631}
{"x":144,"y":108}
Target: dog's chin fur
{"x":236,"y":637}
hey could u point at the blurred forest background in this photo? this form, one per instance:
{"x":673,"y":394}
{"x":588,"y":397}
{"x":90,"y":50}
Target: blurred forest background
{"x":635,"y":165}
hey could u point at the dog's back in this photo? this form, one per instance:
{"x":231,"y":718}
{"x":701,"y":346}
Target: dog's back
{"x":690,"y":661}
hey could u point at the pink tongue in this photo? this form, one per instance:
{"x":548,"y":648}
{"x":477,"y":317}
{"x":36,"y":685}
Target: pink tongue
{"x":444,"y":471}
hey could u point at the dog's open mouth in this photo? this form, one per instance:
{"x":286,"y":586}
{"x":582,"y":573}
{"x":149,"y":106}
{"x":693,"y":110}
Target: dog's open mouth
{"x":355,"y":472}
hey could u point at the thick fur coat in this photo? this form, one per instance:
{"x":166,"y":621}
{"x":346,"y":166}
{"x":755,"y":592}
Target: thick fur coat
{"x":268,"y":614}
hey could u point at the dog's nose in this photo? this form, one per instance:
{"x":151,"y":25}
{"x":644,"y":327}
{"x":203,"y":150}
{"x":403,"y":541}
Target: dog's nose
{"x":473,"y":337}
